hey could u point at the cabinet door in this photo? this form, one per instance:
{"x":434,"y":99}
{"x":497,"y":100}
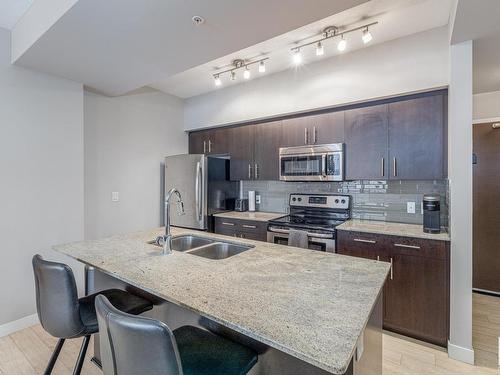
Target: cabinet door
{"x":241,"y":151}
{"x":266,"y":155}
{"x":366,"y":133}
{"x":197,"y":142}
{"x":326,"y":128}
{"x":416,"y":298}
{"x":294,"y":132}
{"x":416,"y":138}
{"x":219,"y":140}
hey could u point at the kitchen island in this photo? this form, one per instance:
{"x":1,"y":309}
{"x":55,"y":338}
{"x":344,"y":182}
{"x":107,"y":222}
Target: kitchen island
{"x":305,"y":312}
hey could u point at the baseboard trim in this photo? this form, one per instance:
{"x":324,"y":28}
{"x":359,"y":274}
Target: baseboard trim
{"x":16,"y":325}
{"x":460,"y":353}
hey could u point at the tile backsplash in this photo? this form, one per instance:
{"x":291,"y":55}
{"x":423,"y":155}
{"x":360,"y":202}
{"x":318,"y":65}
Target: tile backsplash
{"x":374,"y":200}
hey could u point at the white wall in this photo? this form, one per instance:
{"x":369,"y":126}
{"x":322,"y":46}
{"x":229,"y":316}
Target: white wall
{"x":415,"y":63}
{"x":487,"y":105}
{"x":460,"y":176}
{"x":126,"y":140}
{"x":41,"y":177}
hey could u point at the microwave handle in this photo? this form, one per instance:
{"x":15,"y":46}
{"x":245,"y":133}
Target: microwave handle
{"x":323,"y":164}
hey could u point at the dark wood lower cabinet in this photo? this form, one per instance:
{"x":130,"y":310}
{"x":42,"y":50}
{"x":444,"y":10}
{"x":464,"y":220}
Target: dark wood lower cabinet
{"x":416,"y":294}
{"x":252,"y":230}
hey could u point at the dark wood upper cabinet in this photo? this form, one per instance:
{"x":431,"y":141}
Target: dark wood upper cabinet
{"x":241,"y":150}
{"x":267,"y":138}
{"x":366,"y":141}
{"x":326,"y":128}
{"x":198,"y":142}
{"x":316,"y":129}
{"x":210,"y":142}
{"x":416,"y":138}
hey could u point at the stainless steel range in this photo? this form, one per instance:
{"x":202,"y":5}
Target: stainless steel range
{"x":317,"y":214}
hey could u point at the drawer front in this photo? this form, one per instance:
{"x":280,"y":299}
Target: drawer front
{"x":364,"y":245}
{"x":253,"y":230}
{"x":418,"y":247}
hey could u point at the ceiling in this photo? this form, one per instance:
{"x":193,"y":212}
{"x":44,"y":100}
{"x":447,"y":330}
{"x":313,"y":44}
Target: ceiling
{"x":11,"y":11}
{"x":396,"y":20}
{"x":116,"y":46}
{"x":478,"y":21}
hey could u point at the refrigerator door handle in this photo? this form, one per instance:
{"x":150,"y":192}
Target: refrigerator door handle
{"x":198,"y":191}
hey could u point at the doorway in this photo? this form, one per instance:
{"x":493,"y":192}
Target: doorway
{"x":486,"y":208}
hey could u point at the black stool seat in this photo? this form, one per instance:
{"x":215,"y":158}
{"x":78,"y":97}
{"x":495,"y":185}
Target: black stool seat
{"x":132,"y":345}
{"x":122,"y":300}
{"x":204,"y":353}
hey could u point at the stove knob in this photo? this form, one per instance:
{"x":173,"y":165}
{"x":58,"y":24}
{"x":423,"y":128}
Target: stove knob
{"x":343,"y":201}
{"x":336,"y":201}
{"x":294,"y":199}
{"x":300,"y":199}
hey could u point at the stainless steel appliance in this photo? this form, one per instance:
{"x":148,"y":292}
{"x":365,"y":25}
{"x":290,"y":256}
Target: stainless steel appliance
{"x":432,"y":213}
{"x":204,"y":185}
{"x":312,"y":163}
{"x":316,"y":214}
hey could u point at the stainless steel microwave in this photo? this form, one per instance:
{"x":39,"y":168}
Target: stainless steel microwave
{"x":312,"y":163}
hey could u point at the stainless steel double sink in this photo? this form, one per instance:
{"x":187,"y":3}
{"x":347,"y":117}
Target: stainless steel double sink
{"x":206,"y":247}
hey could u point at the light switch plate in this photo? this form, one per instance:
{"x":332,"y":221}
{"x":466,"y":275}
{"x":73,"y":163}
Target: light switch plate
{"x":115,"y":196}
{"x":410,"y":207}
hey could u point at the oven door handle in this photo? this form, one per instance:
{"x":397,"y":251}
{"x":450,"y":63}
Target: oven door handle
{"x":314,"y":235}
{"x":323,"y":164}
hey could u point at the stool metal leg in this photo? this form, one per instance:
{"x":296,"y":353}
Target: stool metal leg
{"x":81,"y":356}
{"x":53,"y":357}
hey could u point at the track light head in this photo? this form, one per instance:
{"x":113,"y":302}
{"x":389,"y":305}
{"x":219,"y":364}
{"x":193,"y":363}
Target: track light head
{"x":262,"y":67}
{"x":320,"y":50}
{"x":342,"y":44}
{"x":246,"y":73}
{"x":297,"y":57}
{"x":217,"y":80}
{"x":367,"y":36}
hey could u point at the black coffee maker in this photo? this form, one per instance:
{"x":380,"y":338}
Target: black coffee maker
{"x":432,"y":213}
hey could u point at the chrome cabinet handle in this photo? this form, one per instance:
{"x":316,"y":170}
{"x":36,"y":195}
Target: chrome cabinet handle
{"x":249,"y":171}
{"x":407,"y":246}
{"x":394,"y":167}
{"x":383,"y":167}
{"x":204,"y":147}
{"x":323,"y":165}
{"x":392,"y":272}
{"x":256,"y":172}
{"x":226,"y":223}
{"x":209,"y":146}
{"x":378,"y":258}
{"x":315,"y":135}
{"x":249,"y":226}
{"x":364,"y":241}
{"x":305,"y":136}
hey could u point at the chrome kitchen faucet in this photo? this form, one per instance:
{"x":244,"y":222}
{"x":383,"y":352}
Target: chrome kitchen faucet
{"x":166,"y":239}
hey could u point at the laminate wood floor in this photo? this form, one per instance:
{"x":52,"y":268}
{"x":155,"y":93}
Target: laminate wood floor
{"x":27,"y":352}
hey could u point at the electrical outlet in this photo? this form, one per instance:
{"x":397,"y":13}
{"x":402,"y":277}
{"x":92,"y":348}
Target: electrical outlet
{"x":410,"y":207}
{"x":115,"y":196}
{"x":257,"y":199}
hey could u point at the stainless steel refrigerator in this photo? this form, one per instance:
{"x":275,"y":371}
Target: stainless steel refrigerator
{"x":204,"y":184}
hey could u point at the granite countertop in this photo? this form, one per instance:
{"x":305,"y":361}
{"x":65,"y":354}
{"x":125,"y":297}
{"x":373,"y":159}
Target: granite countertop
{"x":309,"y":304}
{"x":395,"y":229}
{"x":247,"y":215}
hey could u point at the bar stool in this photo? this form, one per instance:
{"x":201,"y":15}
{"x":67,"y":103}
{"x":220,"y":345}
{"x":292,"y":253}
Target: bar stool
{"x":65,"y":316}
{"x":132,"y":345}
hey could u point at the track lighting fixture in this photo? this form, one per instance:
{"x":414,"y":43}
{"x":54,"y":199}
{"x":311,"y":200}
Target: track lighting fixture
{"x":320,"y":50}
{"x":297,"y":57}
{"x":367,"y":36}
{"x":239,"y":64}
